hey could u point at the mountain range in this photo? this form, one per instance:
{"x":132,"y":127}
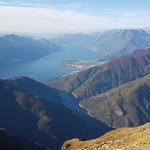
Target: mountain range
{"x":102,"y":78}
{"x":15,"y":49}
{"x":116,"y":93}
{"x":111,"y":43}
{"x":84,"y":104}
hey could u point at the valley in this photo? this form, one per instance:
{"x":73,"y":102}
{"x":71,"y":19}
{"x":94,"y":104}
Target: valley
{"x":116,"y":92}
{"x":74,"y":75}
{"x":43,"y":109}
{"x":68,"y":53}
{"x":76,"y":92}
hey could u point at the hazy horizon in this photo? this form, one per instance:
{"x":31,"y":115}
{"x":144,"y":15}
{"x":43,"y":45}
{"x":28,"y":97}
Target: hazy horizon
{"x":53,"y":35}
{"x":69,"y":16}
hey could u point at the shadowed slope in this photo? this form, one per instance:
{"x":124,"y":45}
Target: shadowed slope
{"x":38,"y":119}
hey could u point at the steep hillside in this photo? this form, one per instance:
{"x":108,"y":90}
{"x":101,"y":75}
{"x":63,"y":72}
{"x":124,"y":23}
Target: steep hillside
{"x":41,"y":120}
{"x":126,"y":105}
{"x":121,"y":139}
{"x":99,"y":79}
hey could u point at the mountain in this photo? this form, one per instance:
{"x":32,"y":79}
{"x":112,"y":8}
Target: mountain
{"x":120,"y":139}
{"x":34,"y":87}
{"x":99,"y":79}
{"x":16,"y":49}
{"x":113,"y":42}
{"x":126,"y":105}
{"x":9,"y":142}
{"x":27,"y":115}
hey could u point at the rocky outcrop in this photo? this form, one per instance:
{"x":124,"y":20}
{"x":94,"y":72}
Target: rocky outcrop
{"x":121,"y":139}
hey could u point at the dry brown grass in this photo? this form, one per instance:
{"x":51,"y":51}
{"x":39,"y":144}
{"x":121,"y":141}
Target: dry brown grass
{"x":137,"y":138}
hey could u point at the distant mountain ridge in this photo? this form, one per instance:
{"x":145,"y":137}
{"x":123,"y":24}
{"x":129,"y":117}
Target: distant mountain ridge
{"x":15,"y":49}
{"x":113,"y":42}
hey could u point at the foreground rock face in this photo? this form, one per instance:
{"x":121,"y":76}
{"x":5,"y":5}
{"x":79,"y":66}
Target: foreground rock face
{"x":137,"y":138}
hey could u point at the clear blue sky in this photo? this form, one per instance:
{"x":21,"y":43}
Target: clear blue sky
{"x":98,"y":13}
{"x":93,"y":6}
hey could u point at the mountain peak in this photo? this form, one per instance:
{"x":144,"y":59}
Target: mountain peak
{"x":12,"y":37}
{"x":20,"y":78}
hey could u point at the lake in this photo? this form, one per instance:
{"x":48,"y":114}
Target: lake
{"x":50,"y":67}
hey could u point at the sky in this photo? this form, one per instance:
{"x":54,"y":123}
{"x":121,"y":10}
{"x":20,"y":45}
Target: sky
{"x":72,"y":16}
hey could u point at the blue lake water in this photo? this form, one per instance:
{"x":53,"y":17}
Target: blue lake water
{"x":51,"y":66}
